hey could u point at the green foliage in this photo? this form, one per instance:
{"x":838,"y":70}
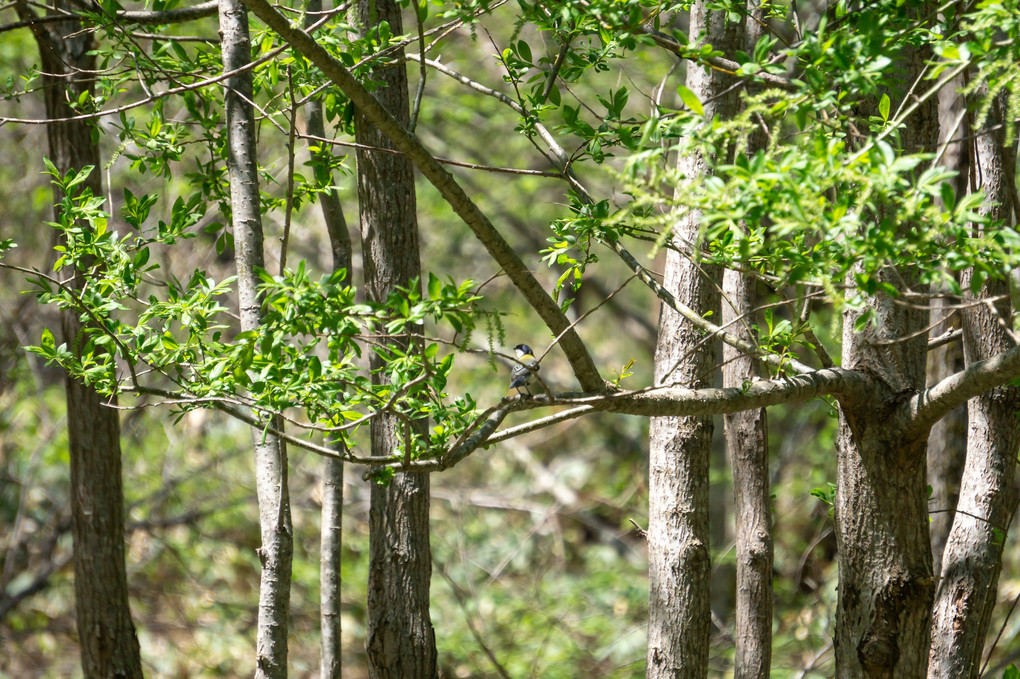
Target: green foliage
{"x":305,"y":353}
{"x":829,"y":200}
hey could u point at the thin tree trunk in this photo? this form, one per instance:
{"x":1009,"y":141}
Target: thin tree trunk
{"x":331,"y":523}
{"x":947,"y":444}
{"x":106,"y":634}
{"x":973,"y":553}
{"x":679,"y":596}
{"x":747,"y":446}
{"x":747,"y":442}
{"x":401,"y":642}
{"x":270,"y":454}
{"x":885,"y":564}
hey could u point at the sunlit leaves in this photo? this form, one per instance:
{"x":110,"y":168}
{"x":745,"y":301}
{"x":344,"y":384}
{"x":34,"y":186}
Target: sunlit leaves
{"x":307,"y":354}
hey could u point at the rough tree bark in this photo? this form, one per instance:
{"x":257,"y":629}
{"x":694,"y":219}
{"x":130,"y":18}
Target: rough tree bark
{"x":885,"y":564}
{"x":747,"y":446}
{"x":988,"y":500}
{"x":401,"y":641}
{"x":679,"y":615}
{"x":106,"y":634}
{"x":947,"y":444}
{"x":270,"y":453}
{"x":331,"y":529}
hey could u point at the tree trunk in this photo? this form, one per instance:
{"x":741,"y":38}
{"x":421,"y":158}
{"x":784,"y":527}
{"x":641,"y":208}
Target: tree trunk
{"x":679,"y":596}
{"x":401,"y":641}
{"x":106,"y":634}
{"x":947,"y":444}
{"x":973,"y":554}
{"x":747,"y":447}
{"x":331,"y":523}
{"x":747,"y":443}
{"x":270,"y":454}
{"x":885,"y":566}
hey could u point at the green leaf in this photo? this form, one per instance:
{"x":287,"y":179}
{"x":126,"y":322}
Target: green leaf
{"x":690,"y":100}
{"x":82,"y":175}
{"x":554,"y":95}
{"x":435,"y":286}
{"x":948,"y":195}
{"x":883,"y":107}
{"x":524,"y":50}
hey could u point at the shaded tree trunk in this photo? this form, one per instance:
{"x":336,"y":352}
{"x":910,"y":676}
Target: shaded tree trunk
{"x":988,"y":500}
{"x":679,"y":596}
{"x":331,"y":523}
{"x":270,"y":453}
{"x":747,"y":446}
{"x":747,"y":443}
{"x":885,"y":564}
{"x":401,"y":642}
{"x":947,"y":444}
{"x":106,"y":634}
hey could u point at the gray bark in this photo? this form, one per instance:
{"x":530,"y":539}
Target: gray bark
{"x":947,"y":444}
{"x":106,"y":633}
{"x":988,"y":500}
{"x":885,"y":563}
{"x":679,"y":597}
{"x":331,"y":521}
{"x":270,"y":453}
{"x":401,"y":641}
{"x":331,"y":544}
{"x":747,"y":444}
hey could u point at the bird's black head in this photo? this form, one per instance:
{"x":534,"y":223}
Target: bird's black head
{"x":522,"y":349}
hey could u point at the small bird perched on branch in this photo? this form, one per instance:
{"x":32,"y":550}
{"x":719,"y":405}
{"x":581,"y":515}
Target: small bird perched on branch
{"x":524,"y":370}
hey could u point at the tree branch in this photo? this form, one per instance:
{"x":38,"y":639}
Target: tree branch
{"x":925,"y":409}
{"x":562,"y":162}
{"x":142,"y":17}
{"x":577,"y":353}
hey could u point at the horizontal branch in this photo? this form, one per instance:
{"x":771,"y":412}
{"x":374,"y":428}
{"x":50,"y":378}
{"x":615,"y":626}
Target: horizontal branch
{"x":668,"y":401}
{"x":142,"y":17}
{"x":170,"y":16}
{"x":931,"y":405}
{"x":683,"y":402}
{"x":546,"y":307}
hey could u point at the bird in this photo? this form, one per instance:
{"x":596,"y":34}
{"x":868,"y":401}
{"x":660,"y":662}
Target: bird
{"x":524,"y":370}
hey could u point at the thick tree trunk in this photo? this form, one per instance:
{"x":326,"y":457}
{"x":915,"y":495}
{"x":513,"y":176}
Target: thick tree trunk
{"x":331,"y":529}
{"x":885,"y":564}
{"x":679,"y":596}
{"x":106,"y":634}
{"x":973,"y":553}
{"x":401,"y":641}
{"x":270,"y":454}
